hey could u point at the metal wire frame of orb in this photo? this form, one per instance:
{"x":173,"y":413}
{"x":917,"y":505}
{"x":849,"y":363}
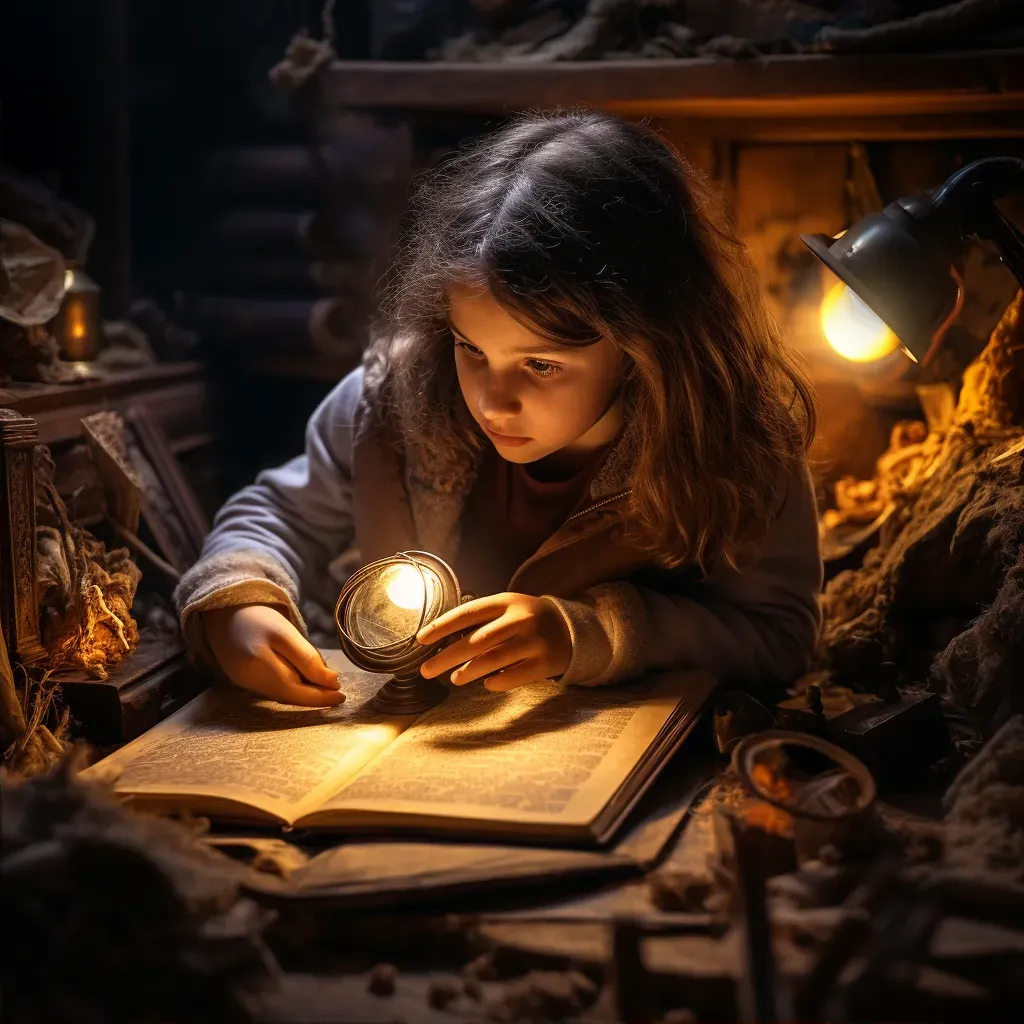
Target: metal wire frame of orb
{"x":403,"y":656}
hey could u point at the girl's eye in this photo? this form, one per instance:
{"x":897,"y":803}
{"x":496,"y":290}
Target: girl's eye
{"x":538,"y":366}
{"x":467,"y":348}
{"x":543,"y":369}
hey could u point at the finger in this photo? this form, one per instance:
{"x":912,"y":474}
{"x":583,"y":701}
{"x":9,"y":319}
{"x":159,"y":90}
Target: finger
{"x":283,"y":684}
{"x":495,"y":660}
{"x":305,"y":696}
{"x":472,"y":613}
{"x":469,"y":647}
{"x":526,"y":672}
{"x":302,"y":656}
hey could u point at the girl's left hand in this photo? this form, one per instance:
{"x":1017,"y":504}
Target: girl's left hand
{"x":521,"y":639}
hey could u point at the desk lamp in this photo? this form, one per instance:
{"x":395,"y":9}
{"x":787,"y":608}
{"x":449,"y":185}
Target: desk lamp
{"x":380,"y":609}
{"x":897,"y":264}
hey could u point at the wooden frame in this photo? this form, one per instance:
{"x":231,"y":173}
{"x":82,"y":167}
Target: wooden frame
{"x":142,"y":480}
{"x":19,"y":604}
{"x":169,"y":506}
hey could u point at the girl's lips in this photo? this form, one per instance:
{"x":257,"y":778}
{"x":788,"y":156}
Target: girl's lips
{"x":505,"y":438}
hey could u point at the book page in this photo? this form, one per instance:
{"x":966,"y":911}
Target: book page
{"x":231,"y":744}
{"x":541,"y":753}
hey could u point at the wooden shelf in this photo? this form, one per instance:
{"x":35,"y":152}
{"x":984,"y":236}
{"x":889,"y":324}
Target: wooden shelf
{"x":176,"y":394}
{"x":934,"y":95}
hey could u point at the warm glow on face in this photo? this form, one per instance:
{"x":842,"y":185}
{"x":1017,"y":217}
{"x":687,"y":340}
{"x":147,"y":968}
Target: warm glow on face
{"x":853,"y":329}
{"x":406,"y":588}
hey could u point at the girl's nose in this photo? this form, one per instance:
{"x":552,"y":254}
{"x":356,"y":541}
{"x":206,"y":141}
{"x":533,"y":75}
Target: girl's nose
{"x":498,"y":400}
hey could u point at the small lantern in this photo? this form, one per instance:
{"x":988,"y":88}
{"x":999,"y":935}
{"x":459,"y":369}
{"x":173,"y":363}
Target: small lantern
{"x":77,"y":325}
{"x":380,"y":610}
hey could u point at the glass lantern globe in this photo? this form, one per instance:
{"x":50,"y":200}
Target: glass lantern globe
{"x":380,"y":610}
{"x":77,"y":324}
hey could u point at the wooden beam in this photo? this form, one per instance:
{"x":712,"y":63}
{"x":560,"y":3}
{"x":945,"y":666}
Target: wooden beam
{"x":782,"y":86}
{"x":999,"y":124}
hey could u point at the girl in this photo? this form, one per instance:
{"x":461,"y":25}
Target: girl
{"x":579,"y":400}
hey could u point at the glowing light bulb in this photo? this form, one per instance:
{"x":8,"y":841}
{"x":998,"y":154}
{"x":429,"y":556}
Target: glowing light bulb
{"x":853,"y":329}
{"x":406,"y":587}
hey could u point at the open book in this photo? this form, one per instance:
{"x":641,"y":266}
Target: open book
{"x":540,"y":763}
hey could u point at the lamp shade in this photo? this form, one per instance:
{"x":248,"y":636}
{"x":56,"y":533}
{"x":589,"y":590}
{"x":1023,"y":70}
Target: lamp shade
{"x":379,"y":611}
{"x":901,"y":268}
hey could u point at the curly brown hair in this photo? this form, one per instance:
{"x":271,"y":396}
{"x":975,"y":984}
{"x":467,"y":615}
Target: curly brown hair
{"x":583,"y":226}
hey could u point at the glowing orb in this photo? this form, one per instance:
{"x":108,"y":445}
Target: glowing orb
{"x":405,"y":587}
{"x":853,"y":329}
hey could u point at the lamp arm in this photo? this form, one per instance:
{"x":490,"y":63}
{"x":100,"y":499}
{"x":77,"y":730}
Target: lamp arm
{"x":969,"y":197}
{"x":1010,"y":242}
{"x":986,"y":180}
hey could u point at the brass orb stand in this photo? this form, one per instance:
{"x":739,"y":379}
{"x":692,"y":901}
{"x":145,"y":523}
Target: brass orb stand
{"x":379,"y":611}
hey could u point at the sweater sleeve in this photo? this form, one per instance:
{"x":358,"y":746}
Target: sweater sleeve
{"x":275,"y":538}
{"x":755,"y":626}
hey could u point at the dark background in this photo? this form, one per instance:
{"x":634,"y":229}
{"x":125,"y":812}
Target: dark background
{"x":115,"y":106}
{"x":186,"y":76}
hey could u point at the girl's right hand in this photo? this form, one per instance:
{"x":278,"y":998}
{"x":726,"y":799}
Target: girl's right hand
{"x":260,"y":650}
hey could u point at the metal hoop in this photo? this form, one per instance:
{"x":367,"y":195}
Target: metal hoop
{"x":408,"y":692}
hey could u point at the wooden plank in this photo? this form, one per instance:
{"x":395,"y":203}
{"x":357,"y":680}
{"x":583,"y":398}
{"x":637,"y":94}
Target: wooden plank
{"x":153,"y":681}
{"x":178,"y":409}
{"x":176,"y":394}
{"x":30,"y":399}
{"x":803,"y":85}
{"x":931,"y":127}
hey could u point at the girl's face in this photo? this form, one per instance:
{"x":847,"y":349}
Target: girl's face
{"x":530,"y":396}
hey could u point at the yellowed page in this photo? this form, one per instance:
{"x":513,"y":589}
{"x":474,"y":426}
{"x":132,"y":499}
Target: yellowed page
{"x":230,"y":746}
{"x":541,"y":754}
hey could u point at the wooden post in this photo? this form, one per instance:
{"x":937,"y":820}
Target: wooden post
{"x":19,"y":603}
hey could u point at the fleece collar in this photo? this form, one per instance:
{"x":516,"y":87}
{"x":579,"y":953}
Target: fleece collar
{"x":437,"y":490}
{"x":433,"y":489}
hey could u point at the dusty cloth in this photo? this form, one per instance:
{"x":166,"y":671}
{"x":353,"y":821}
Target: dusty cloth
{"x":31,"y":277}
{"x":276,"y":538}
{"x":119,"y":917}
{"x":952,"y":23}
{"x":32,"y":354}
{"x":573,"y":30}
{"x":38,"y":232}
{"x":508,"y":515}
{"x":985,"y":807}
